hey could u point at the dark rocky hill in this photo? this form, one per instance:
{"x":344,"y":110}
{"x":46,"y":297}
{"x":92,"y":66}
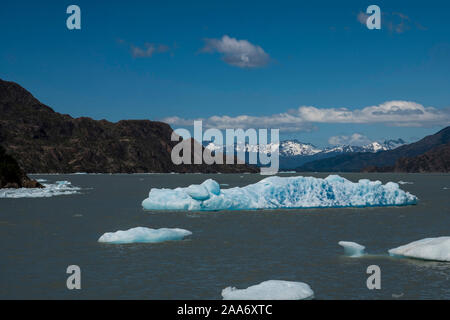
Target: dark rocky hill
{"x":435,"y":160}
{"x":44,"y":141}
{"x":11,"y":175}
{"x":356,"y":162}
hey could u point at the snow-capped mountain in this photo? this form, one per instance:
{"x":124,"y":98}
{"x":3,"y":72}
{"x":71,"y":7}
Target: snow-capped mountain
{"x":247,"y":148}
{"x":371,"y":147}
{"x":375,"y":147}
{"x":287,"y":148}
{"x":393,"y":144}
{"x":293,"y":148}
{"x":294,"y":153}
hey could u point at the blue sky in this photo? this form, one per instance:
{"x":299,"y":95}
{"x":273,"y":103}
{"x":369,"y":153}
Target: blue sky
{"x":291,"y":65}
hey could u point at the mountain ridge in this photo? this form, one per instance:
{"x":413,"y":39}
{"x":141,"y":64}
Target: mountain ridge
{"x":45,"y":141}
{"x":294,"y":153}
{"x":357,"y":162}
{"x":434,"y":160}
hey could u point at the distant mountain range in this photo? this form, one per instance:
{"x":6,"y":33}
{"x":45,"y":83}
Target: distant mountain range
{"x":45,"y":141}
{"x":427,"y":155}
{"x":431,"y":154}
{"x":294,"y":153}
{"x":37,"y":139}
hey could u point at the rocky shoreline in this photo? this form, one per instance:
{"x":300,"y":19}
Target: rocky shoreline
{"x":11,"y":175}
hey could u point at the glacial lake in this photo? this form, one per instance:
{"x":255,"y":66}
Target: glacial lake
{"x":41,"y":237}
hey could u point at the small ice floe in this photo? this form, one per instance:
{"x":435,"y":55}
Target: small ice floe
{"x":352,"y":249}
{"x":280,"y":192}
{"x":59,"y":188}
{"x":436,"y":249}
{"x":41,"y":180}
{"x":144,"y":235}
{"x":405,"y":182}
{"x":270,"y":290}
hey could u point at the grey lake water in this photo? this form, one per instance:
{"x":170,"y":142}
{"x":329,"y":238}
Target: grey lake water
{"x":41,"y":237}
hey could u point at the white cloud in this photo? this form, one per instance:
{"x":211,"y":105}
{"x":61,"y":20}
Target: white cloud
{"x":355,"y":139}
{"x":396,"y":113}
{"x":282,"y":121}
{"x":395,"y":22}
{"x":393,"y":113}
{"x":239,"y":53}
{"x":362,"y":18}
{"x":147,"y":50}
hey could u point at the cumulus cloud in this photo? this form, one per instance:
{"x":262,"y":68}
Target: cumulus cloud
{"x":394,"y":22}
{"x":145,"y":51}
{"x":355,"y":139}
{"x":393,"y":113}
{"x":362,"y":17}
{"x":239,"y":53}
{"x":283,"y":121}
{"x":397,"y":113}
{"x":148,"y":50}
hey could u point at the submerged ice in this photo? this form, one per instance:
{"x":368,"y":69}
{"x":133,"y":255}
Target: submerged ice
{"x":280,"y":192}
{"x":437,"y":249}
{"x":59,"y":188}
{"x":145,"y":235}
{"x":352,"y":249}
{"x":270,"y":290}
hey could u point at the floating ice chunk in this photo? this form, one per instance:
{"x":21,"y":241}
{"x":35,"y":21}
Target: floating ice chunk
{"x":280,"y":192}
{"x":405,"y":182}
{"x":142,"y":234}
{"x":270,"y":290}
{"x":437,"y":249}
{"x":197,"y":192}
{"x":59,"y":188}
{"x":212,"y":186}
{"x":62,"y":184}
{"x":352,"y":249}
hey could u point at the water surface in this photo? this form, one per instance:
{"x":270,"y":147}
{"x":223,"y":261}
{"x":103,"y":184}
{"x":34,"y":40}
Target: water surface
{"x":39,"y":238}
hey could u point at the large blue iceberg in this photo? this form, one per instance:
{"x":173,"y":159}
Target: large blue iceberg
{"x":280,"y":192}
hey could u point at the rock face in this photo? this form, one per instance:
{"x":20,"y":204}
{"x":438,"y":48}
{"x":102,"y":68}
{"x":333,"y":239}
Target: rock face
{"x":44,"y":141}
{"x":11,"y":176}
{"x":435,"y":160}
{"x":380,"y":161}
